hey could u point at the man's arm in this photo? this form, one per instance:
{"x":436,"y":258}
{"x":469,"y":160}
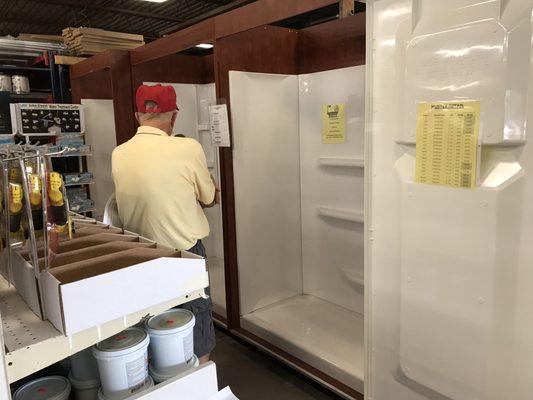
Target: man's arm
{"x":217,"y":196}
{"x":207,"y":192}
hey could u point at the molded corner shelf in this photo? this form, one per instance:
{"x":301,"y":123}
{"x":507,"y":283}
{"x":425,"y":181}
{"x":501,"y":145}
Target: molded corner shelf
{"x":341,"y":162}
{"x":341,"y":213}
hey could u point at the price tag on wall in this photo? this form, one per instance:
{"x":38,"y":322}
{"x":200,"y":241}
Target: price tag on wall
{"x":219,"y":125}
{"x":447,"y":148}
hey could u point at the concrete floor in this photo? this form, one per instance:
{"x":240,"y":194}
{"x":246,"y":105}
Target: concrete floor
{"x":253,"y":375}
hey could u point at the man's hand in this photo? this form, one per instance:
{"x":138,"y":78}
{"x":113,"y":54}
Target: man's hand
{"x":217,"y":196}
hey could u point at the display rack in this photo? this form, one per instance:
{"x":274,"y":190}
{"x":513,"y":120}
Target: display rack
{"x":32,"y":344}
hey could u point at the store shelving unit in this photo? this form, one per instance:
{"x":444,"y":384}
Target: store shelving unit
{"x":32,"y":344}
{"x":48,"y":80}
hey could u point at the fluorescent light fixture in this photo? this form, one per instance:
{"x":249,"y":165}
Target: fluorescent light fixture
{"x":205,"y":46}
{"x":155,"y":1}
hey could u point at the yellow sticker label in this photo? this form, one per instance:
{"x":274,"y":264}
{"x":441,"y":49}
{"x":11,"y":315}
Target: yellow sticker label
{"x":333,"y":124}
{"x":55,"y":181}
{"x":447,"y":143}
{"x":35,"y":190}
{"x":15,"y":198}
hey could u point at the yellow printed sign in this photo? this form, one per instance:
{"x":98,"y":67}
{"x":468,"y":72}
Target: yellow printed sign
{"x":447,"y":143}
{"x":334,"y":124}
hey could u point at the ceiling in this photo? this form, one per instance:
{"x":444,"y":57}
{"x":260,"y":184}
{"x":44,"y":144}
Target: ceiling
{"x":132,"y":16}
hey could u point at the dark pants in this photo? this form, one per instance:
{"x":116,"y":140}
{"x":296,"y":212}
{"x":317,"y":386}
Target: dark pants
{"x":204,"y":331}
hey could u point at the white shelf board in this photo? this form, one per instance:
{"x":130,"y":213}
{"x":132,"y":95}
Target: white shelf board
{"x":32,"y":344}
{"x":341,"y":162}
{"x":322,"y":334}
{"x":341,"y":213}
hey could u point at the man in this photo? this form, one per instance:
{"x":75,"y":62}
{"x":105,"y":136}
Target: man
{"x":161,"y":185}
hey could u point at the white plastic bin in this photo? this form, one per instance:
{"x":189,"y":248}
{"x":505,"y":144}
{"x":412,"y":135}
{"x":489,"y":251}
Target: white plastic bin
{"x":123,"y":363}
{"x":171,"y":339}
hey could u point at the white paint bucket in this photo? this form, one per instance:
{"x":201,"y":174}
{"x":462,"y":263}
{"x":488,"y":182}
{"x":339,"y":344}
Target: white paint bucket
{"x":83,"y":366}
{"x":162,"y":377}
{"x":148,"y":385}
{"x":171,"y":339}
{"x":84,"y":390}
{"x":123,"y":363}
{"x":48,"y":388}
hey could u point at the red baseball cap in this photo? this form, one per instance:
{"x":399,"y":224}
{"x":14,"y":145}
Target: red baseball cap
{"x":163,"y":96}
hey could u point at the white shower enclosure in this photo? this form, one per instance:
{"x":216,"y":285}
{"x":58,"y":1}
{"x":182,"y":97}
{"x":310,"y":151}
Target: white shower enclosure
{"x":299,"y":216}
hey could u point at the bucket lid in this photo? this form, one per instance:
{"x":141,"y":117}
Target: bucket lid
{"x":127,"y":339}
{"x":47,"y":388}
{"x":175,"y":319}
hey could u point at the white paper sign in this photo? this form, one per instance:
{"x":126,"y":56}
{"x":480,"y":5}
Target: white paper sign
{"x":218,"y":121}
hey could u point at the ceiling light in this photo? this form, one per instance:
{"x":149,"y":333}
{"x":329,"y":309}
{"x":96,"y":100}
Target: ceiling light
{"x":156,"y":1}
{"x":205,"y":46}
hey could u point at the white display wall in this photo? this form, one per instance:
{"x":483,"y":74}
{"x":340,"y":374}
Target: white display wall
{"x":450,"y":269}
{"x":266,"y":169}
{"x":299,"y":216}
{"x":193,"y":102}
{"x":332,"y":189}
{"x":101,"y":136}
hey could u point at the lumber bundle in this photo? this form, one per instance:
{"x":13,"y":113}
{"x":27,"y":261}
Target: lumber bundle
{"x":90,"y":41}
{"x":35,"y":37}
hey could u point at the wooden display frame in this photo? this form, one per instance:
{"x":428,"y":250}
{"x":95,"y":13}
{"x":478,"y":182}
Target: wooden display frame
{"x":107,"y":76}
{"x":243,"y":40}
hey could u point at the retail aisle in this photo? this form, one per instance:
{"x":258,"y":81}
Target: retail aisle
{"x":253,"y":375}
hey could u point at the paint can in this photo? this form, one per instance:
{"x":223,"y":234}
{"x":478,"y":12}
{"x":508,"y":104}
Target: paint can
{"x":171,"y":373}
{"x":147,"y":385}
{"x":84,"y":389}
{"x":47,"y":388}
{"x":171,"y":339}
{"x":123,"y":363}
{"x":83,"y":366}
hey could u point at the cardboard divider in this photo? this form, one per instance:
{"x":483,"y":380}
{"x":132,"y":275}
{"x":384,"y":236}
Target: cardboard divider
{"x":92,"y":252}
{"x":93,"y":230}
{"x":88,"y":241}
{"x":107,"y":263}
{"x":97,"y":229}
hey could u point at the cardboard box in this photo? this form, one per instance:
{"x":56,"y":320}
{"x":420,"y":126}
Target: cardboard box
{"x":77,"y":296}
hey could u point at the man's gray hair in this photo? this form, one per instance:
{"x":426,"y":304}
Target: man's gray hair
{"x":143,"y":117}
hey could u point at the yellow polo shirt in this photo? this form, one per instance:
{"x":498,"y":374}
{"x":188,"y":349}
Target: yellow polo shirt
{"x":159,"y":184}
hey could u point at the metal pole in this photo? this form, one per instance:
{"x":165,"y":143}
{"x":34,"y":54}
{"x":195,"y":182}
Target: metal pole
{"x":5,"y":392}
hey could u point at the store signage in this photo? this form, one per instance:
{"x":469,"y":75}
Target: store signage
{"x":219,"y":125}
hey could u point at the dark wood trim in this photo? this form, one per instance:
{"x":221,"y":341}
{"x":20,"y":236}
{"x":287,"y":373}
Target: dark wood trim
{"x":174,"y":68}
{"x":107,"y":76}
{"x":122,"y":102}
{"x":182,"y":40}
{"x":299,"y":363}
{"x":258,"y":13}
{"x":99,"y":61}
{"x":263,"y":12}
{"x":332,"y":45}
{"x":220,"y":320}
{"x":268,"y":49}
